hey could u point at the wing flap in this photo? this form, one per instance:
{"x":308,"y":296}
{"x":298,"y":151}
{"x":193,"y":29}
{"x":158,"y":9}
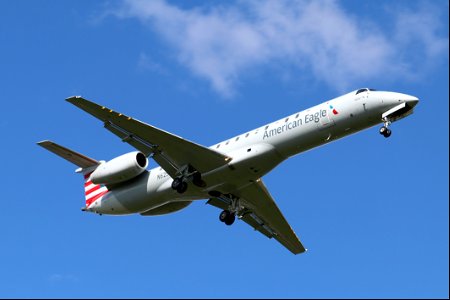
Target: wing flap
{"x":144,"y":147}
{"x":170,"y":151}
{"x":257,"y":224}
{"x":269,"y":216}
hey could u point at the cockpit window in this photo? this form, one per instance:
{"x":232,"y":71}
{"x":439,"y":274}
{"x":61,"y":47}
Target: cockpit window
{"x":361,"y":91}
{"x":364,"y":90}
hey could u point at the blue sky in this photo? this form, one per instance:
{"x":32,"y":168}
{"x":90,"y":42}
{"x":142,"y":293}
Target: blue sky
{"x":373,"y":212}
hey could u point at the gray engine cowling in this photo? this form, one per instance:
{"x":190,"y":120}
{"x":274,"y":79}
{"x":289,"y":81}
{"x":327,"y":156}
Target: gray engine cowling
{"x":120,"y":169}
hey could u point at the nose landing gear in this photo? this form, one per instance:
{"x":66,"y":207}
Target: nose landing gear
{"x":385,"y":131}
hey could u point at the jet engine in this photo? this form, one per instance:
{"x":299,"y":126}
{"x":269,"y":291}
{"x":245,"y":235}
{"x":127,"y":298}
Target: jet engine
{"x":120,"y":169}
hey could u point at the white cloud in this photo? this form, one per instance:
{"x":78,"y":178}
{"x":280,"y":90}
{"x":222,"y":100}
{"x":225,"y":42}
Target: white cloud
{"x":58,"y":278}
{"x":419,"y":28}
{"x":145,"y":62}
{"x":221,"y":42}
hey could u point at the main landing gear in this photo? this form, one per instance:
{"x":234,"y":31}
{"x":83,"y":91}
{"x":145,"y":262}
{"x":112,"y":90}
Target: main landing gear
{"x":187,"y":174}
{"x":385,"y":131}
{"x":179,"y":185}
{"x":228,"y":216}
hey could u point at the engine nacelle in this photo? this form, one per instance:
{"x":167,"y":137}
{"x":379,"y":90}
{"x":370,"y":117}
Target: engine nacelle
{"x":120,"y":169}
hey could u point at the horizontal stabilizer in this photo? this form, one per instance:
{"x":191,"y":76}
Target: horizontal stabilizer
{"x":70,"y":155}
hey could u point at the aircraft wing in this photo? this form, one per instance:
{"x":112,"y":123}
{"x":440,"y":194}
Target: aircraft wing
{"x":263,"y":215}
{"x":171,"y":152}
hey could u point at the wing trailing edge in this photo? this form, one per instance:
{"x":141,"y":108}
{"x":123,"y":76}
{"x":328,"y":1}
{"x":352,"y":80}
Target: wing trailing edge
{"x":170,"y":151}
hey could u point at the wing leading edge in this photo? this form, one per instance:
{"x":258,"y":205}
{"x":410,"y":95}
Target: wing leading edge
{"x":263,"y":215}
{"x":171,"y":152}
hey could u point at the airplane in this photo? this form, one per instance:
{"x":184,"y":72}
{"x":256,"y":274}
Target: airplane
{"x":228,"y":173}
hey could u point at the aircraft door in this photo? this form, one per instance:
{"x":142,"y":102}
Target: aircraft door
{"x":367,"y":103}
{"x":364,"y":102}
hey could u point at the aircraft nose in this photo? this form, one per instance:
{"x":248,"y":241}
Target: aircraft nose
{"x":411,"y":100}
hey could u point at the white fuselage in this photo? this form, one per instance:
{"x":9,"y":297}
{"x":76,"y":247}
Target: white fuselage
{"x":257,"y":152}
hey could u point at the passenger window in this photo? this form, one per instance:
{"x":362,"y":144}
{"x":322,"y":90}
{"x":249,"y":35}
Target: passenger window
{"x":218,"y":146}
{"x":286,"y":120}
{"x":247,"y":134}
{"x":296,"y":116}
{"x":237,"y":139}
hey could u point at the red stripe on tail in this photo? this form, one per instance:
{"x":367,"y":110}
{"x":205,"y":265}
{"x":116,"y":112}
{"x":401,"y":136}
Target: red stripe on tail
{"x":87,"y":183}
{"x":96,"y":187}
{"x":90,"y":201}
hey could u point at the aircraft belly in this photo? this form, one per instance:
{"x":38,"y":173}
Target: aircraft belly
{"x":142,"y":195}
{"x":309,"y":136}
{"x":356,"y":121}
{"x":248,"y":164}
{"x":347,"y":122}
{"x":167,"y":208}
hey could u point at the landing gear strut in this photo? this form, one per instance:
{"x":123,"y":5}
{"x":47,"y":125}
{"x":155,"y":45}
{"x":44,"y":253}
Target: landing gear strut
{"x":235,"y":208}
{"x":385,"y":131}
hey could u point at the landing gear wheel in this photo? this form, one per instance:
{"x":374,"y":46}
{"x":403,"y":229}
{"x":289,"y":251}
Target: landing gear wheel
{"x":223,"y":215}
{"x":230,"y":220}
{"x":227,"y":217}
{"x":182,"y":187}
{"x":386,"y":132}
{"x":176,"y":183}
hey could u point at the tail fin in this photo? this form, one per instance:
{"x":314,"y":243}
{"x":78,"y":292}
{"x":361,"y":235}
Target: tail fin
{"x":87,"y":166}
